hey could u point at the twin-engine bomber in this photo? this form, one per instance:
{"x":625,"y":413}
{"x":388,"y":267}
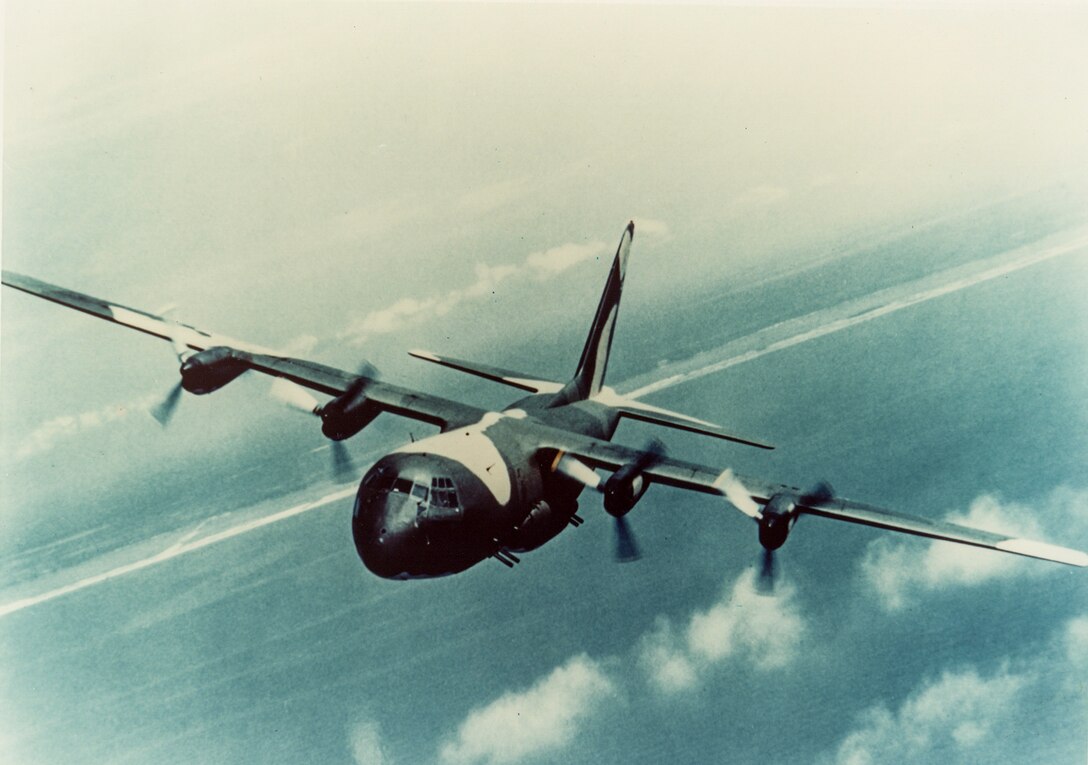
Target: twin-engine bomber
{"x":498,"y":484}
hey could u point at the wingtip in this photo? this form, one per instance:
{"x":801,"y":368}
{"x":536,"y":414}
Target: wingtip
{"x":1045,"y":551}
{"x":631,"y":228}
{"x":421,"y":354}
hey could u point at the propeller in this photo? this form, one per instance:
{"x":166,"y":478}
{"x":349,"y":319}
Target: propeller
{"x":768,"y":568}
{"x":298,"y":398}
{"x":294,"y":396}
{"x":626,"y":548}
{"x":343,"y":468}
{"x":163,"y":411}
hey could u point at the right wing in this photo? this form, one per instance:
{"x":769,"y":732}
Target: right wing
{"x":749,"y":494}
{"x":329,"y":380}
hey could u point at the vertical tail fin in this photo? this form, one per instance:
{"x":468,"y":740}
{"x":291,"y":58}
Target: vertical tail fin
{"x":589,"y":376}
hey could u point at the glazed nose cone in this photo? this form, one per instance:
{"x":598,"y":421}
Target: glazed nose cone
{"x":386,"y":533}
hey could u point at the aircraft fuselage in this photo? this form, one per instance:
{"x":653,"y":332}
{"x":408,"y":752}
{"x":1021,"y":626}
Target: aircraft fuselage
{"x":442,"y":504}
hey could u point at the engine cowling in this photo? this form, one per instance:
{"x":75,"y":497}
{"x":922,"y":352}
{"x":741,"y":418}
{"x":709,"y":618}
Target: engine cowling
{"x":624,"y":489}
{"x":349,"y":413}
{"x":209,"y":370}
{"x":779,"y":515}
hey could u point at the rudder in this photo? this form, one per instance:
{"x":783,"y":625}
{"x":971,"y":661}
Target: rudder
{"x":589,"y":377}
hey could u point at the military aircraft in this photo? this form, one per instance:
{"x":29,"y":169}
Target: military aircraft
{"x":496,"y":484}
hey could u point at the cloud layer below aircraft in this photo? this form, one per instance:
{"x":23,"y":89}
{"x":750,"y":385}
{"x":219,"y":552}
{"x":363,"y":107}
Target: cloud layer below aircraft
{"x":951,"y":717}
{"x":902,"y":571}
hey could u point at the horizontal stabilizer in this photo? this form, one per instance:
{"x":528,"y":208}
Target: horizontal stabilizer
{"x":637,"y":410}
{"x":495,"y":374}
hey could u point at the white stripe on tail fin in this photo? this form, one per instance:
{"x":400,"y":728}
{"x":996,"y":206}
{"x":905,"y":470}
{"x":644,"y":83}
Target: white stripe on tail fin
{"x":589,"y":378}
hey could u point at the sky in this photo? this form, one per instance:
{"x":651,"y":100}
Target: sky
{"x":860,"y":235}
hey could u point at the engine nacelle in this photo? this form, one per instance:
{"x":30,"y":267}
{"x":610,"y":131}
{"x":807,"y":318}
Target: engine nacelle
{"x":779,"y":515}
{"x":349,"y":413}
{"x":624,"y":489}
{"x":211,"y":369}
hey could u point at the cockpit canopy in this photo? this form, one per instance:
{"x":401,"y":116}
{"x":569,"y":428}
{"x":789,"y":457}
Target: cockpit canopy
{"x":436,"y":499}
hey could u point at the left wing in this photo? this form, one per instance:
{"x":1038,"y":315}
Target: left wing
{"x":749,"y":494}
{"x":329,"y":380}
{"x":394,"y":399}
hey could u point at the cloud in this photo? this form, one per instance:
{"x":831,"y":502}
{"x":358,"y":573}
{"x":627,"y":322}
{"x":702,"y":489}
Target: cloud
{"x":651,"y":227}
{"x":966,"y":716}
{"x":559,"y":259}
{"x":1075,"y":642}
{"x":47,"y":435}
{"x":900,"y":570}
{"x":744,"y":625}
{"x":941,"y":720}
{"x":665,"y":659}
{"x":366,"y":744}
{"x":544,"y":718}
{"x":410,"y":310}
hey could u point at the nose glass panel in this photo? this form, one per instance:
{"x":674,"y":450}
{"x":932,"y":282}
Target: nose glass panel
{"x":408,"y":518}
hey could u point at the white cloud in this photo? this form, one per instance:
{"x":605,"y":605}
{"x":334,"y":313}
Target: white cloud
{"x":409,"y":310}
{"x":966,"y":716}
{"x":365,"y":738}
{"x":559,"y":259}
{"x":941,"y":720}
{"x":651,"y":227}
{"x":665,"y":660}
{"x":1075,"y":642}
{"x":900,"y":570}
{"x":544,"y":718}
{"x":743,"y":625}
{"x":391,"y":318}
{"x":47,"y":435}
